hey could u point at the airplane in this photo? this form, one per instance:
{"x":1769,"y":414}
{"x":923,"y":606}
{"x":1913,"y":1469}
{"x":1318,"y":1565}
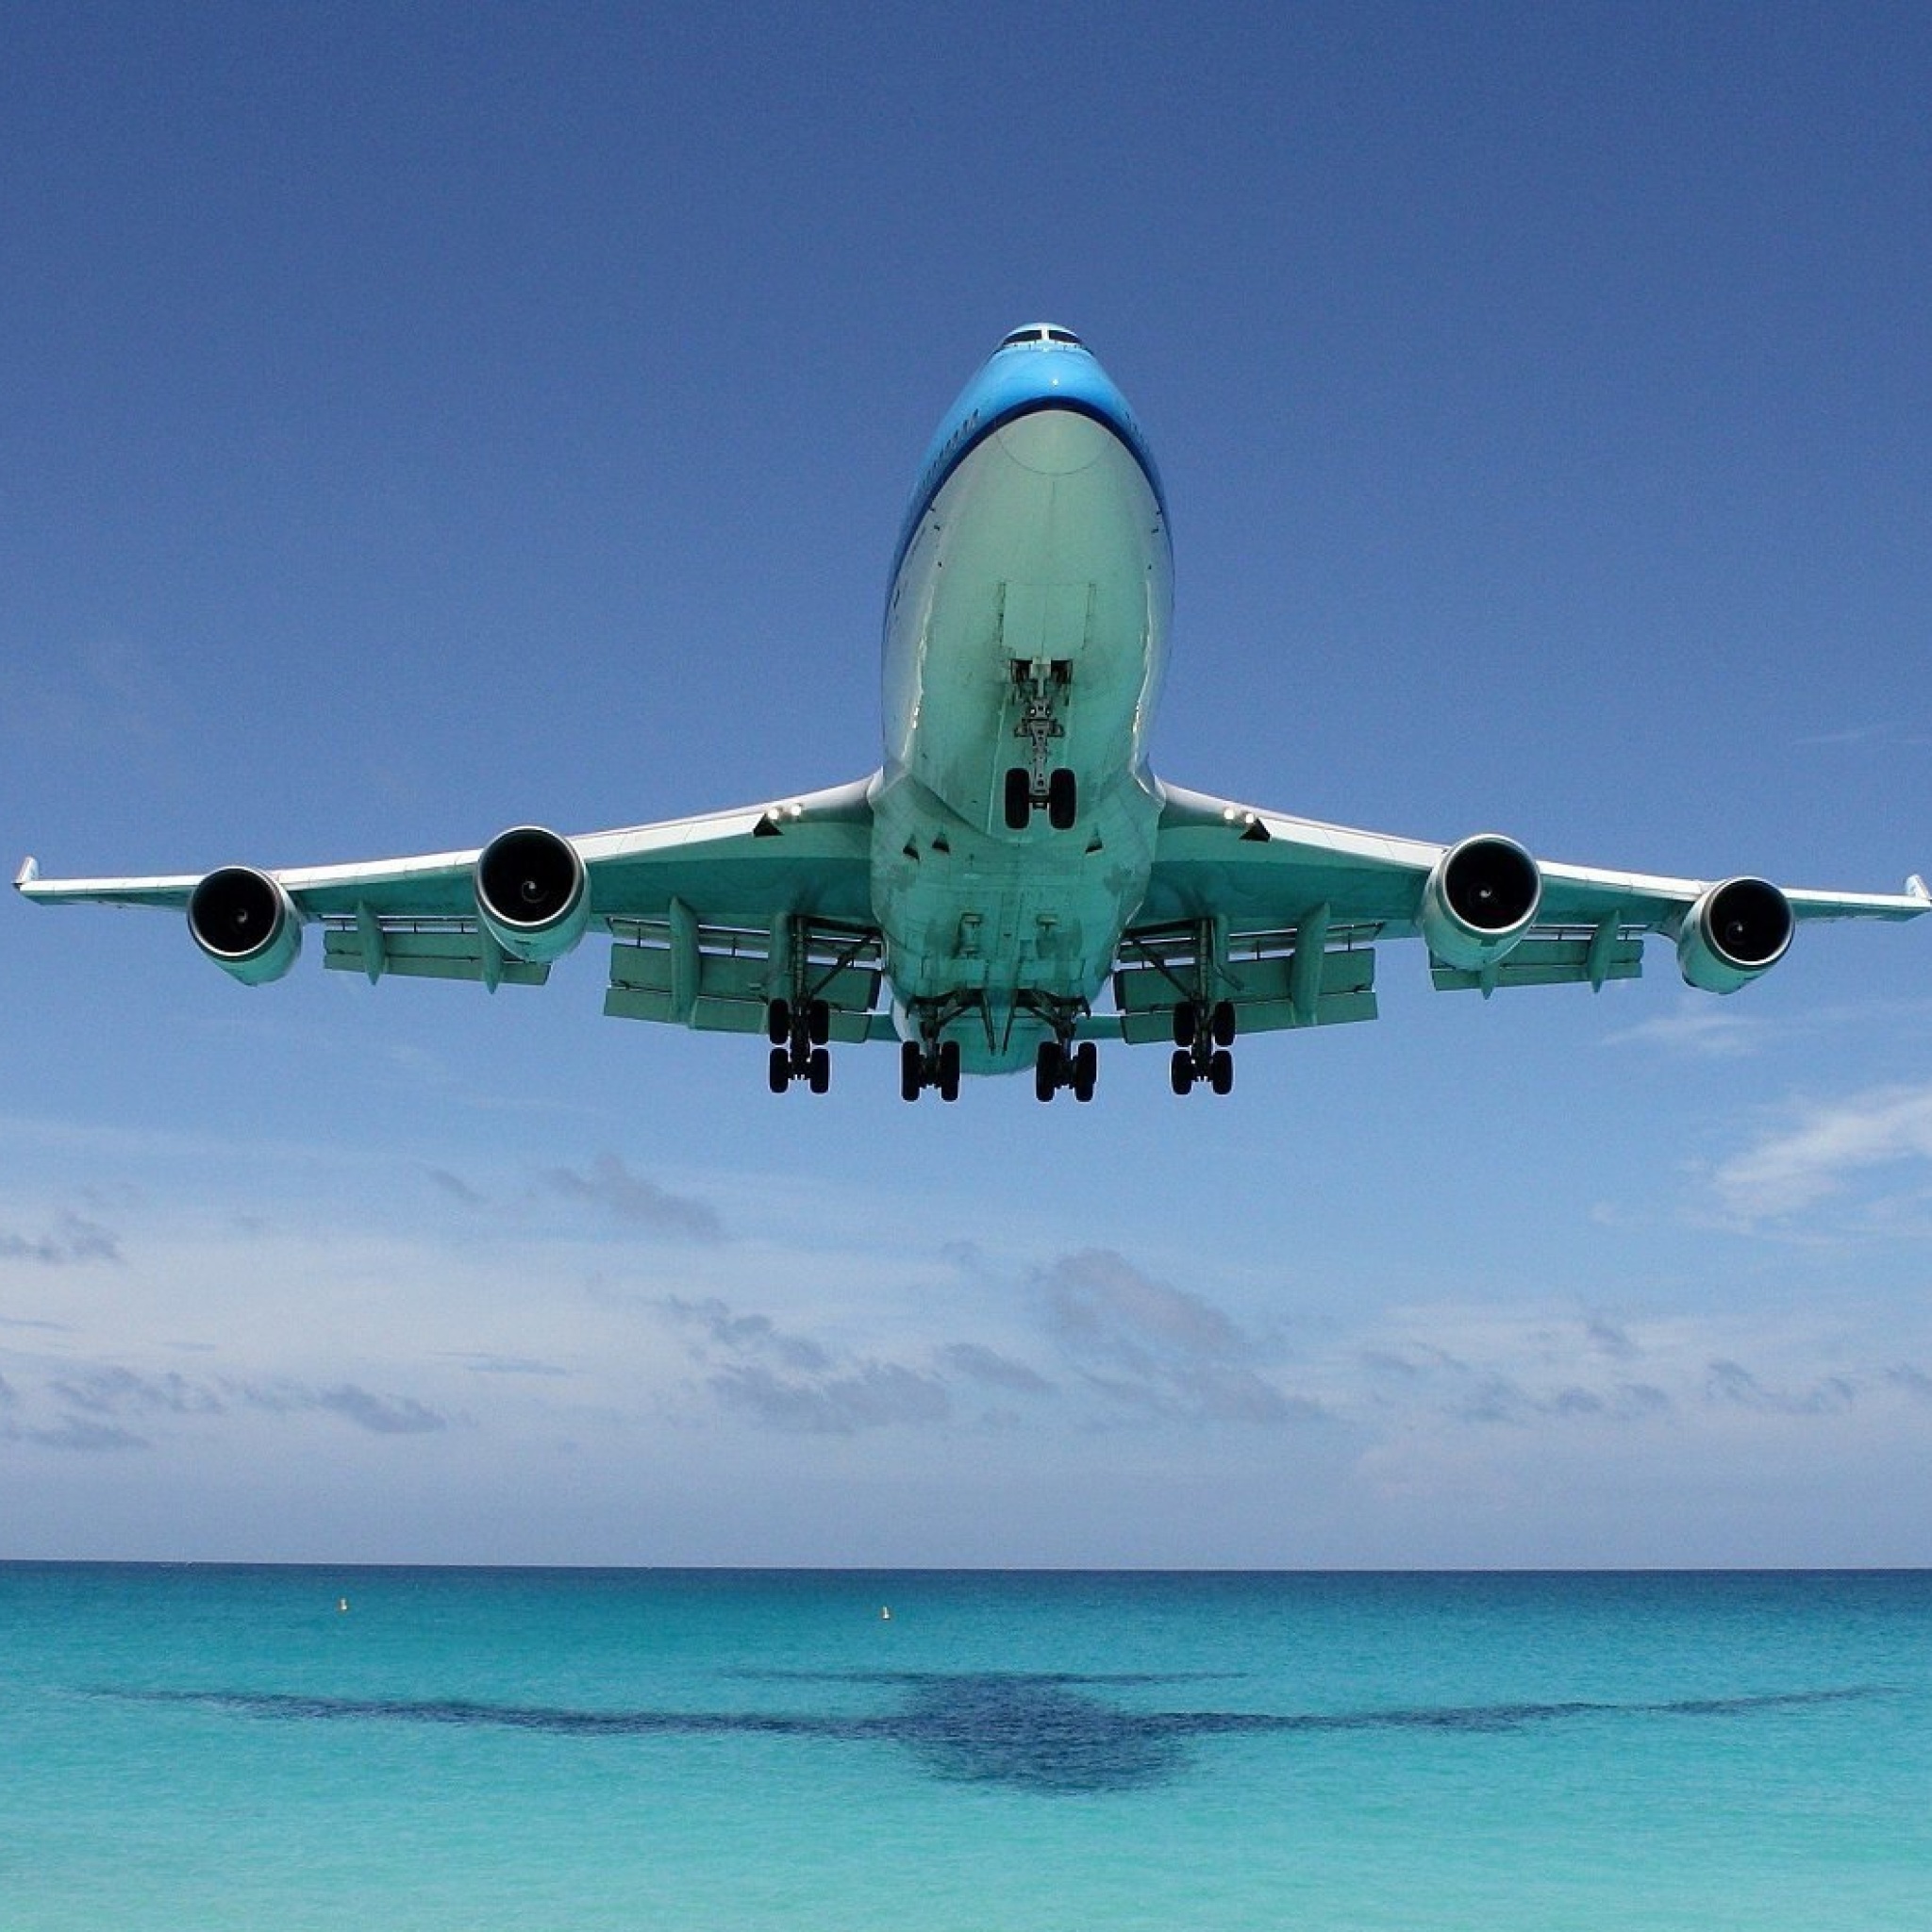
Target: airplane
{"x":1013,"y":885}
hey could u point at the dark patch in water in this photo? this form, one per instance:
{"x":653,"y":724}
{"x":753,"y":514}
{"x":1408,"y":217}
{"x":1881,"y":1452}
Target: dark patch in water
{"x":1038,"y":1731}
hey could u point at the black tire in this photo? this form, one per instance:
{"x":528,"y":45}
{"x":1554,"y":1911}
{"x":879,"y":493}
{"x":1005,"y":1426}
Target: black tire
{"x":1019,"y":798}
{"x":818,"y":1018}
{"x":1181,"y":1071}
{"x":1046,"y":1069}
{"x":1183,"y":1022}
{"x":781,"y":1070}
{"x":1063,"y":800}
{"x":818,"y":1070}
{"x":778,"y":1021}
{"x":911,"y":1069}
{"x":1221,"y":1072}
{"x":949,"y":1070}
{"x":1224,"y":1023}
{"x":1086,"y":1071}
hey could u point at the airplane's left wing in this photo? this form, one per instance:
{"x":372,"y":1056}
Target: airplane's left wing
{"x":713,"y":918}
{"x":1278,"y":917}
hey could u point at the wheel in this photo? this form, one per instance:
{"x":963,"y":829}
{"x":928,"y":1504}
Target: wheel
{"x":818,"y":1020}
{"x":1019,"y":798}
{"x":1221,"y":1070}
{"x":781,"y":1070}
{"x":911,"y":1069}
{"x":1046,"y":1069}
{"x":1086,"y":1069}
{"x":1181,"y":1071}
{"x":949,"y":1070}
{"x":778,"y":1021}
{"x":1224,"y":1023}
{"x":1184,"y":1021}
{"x":818,"y":1070}
{"x":1063,"y":800}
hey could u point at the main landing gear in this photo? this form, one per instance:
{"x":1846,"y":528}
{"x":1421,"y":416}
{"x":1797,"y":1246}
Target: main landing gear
{"x":1202,"y":1036}
{"x":798,"y":1035}
{"x":922,"y":1066}
{"x":1060,"y":1063}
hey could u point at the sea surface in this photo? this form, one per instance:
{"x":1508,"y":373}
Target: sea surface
{"x":207,"y":1747}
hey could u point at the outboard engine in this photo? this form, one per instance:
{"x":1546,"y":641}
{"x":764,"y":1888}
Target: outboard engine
{"x":1480,"y":899}
{"x":246,"y":924}
{"x":533,"y":894}
{"x":1734,"y":932}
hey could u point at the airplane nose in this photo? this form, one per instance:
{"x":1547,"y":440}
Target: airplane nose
{"x":1054,"y":442}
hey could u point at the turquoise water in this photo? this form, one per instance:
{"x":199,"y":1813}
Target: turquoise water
{"x":209,"y":1747}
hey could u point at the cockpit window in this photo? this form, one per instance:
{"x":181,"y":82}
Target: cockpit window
{"x":1040,"y":332}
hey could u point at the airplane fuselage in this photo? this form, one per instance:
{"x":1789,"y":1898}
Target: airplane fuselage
{"x":1026,"y":636}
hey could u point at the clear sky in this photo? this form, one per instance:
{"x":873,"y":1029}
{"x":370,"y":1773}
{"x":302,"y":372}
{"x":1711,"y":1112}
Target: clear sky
{"x":414,"y":421}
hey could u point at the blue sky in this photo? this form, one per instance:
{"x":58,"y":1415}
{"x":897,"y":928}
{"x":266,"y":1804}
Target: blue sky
{"x":421,"y":420}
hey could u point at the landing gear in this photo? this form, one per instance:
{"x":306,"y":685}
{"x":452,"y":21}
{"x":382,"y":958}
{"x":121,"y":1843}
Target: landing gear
{"x":1202,"y":1036}
{"x":1060,"y":796}
{"x":813,"y":1019}
{"x":1060,"y":1063}
{"x":935,"y":1066}
{"x":798,"y":1032}
{"x":1184,"y":1069}
{"x":1039,"y":785}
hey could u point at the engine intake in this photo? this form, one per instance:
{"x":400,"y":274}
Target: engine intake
{"x":246,"y":924}
{"x":533,"y":894}
{"x":1734,"y":932}
{"x":1480,"y":899}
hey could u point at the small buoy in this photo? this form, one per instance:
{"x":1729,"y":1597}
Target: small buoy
{"x":341,"y":1605}
{"x":885,"y":1613}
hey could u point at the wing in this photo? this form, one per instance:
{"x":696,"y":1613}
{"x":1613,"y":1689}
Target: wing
{"x":711,"y":917}
{"x":1280,"y":916}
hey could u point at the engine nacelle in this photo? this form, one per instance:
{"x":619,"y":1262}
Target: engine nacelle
{"x":1734,"y":932}
{"x":1480,"y":899}
{"x":246,"y":924}
{"x":533,"y":894}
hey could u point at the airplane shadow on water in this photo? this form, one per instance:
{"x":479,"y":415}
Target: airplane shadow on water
{"x":1043,"y":1732}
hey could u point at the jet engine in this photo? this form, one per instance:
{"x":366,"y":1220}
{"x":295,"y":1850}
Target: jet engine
{"x":246,"y":924}
{"x":1480,"y":899}
{"x":1734,"y":932}
{"x":533,"y":894}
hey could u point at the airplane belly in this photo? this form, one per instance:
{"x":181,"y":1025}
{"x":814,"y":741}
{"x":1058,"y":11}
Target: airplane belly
{"x":1039,"y":576}
{"x":1046,"y":547}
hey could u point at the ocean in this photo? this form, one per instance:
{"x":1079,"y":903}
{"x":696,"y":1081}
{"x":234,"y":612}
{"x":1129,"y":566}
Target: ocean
{"x":200,"y":1747}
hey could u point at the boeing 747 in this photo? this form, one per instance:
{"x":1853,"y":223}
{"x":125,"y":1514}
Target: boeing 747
{"x":1013,"y":885}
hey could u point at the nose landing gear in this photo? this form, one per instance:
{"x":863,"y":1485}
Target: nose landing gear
{"x":1029,"y":788}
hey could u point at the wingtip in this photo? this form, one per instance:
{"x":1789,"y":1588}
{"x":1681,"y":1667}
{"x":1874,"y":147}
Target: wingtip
{"x":29,"y":870}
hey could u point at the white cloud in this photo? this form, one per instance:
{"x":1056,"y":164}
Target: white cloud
{"x":1815,"y":1156}
{"x":1697,"y":1026}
